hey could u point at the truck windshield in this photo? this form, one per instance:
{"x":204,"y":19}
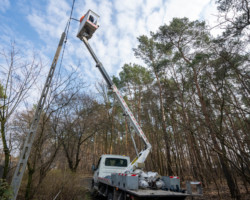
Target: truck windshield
{"x":116,"y":162}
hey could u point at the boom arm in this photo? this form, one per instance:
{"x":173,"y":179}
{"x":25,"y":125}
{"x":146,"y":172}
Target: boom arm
{"x":144,"y":153}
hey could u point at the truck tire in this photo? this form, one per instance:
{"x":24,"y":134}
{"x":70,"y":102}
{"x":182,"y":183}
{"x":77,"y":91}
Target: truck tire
{"x":92,"y":189}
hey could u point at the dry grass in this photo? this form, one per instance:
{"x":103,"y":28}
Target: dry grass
{"x":65,"y":184}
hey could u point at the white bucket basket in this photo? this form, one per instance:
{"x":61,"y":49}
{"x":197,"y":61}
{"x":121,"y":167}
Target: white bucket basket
{"x":88,"y":25}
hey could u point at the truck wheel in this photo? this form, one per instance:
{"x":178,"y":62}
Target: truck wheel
{"x":92,"y":189}
{"x":110,"y":196}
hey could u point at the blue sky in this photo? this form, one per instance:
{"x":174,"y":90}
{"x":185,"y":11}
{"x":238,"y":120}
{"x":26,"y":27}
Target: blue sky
{"x":36,"y":26}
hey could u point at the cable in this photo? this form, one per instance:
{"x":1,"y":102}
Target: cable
{"x":72,"y":8}
{"x":67,"y":31}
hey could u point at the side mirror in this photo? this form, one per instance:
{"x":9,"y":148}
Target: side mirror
{"x":93,"y":168}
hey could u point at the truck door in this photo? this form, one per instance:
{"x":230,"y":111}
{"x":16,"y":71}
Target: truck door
{"x":96,"y":173}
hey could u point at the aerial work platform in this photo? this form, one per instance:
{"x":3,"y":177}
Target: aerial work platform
{"x":88,"y":25}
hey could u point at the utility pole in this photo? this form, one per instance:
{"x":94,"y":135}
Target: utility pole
{"x":18,"y":175}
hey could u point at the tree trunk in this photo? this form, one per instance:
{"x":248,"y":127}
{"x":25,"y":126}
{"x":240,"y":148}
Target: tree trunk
{"x":6,"y":149}
{"x":234,"y":190}
{"x":164,"y":129}
{"x":28,"y":191}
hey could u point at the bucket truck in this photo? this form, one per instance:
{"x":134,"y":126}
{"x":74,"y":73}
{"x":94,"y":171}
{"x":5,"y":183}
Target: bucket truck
{"x":115,"y":177}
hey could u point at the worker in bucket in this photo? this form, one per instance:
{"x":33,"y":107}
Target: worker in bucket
{"x":91,"y":19}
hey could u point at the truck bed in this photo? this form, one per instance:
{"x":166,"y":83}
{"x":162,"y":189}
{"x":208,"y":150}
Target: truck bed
{"x":146,"y":192}
{"x":155,"y":193}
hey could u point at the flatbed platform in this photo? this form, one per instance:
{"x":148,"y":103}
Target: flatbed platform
{"x":147,"y":193}
{"x":155,"y":193}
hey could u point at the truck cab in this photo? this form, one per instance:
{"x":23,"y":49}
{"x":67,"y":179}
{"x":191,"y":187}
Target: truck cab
{"x":109,"y":164}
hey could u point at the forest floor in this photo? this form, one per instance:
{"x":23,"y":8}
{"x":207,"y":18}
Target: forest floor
{"x":208,"y":193}
{"x":211,"y":192}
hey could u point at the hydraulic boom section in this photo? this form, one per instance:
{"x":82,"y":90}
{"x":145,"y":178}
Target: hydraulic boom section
{"x":85,"y":32}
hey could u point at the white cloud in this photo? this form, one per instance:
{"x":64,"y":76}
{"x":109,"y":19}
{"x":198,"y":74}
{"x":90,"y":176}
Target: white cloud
{"x":4,"y":5}
{"x":52,"y":21}
{"x":128,"y":6}
{"x":121,"y":23}
{"x":155,"y":20}
{"x":181,"y":8}
{"x":150,"y":6}
{"x":209,"y":14}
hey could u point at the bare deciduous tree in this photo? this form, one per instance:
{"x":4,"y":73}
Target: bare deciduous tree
{"x":17,"y":77}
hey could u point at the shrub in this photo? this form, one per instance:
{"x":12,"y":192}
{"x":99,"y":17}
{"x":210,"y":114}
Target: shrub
{"x":6,"y":192}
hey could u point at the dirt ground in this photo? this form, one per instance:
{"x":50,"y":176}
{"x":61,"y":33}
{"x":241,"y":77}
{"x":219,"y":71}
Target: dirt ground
{"x":224,"y":193}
